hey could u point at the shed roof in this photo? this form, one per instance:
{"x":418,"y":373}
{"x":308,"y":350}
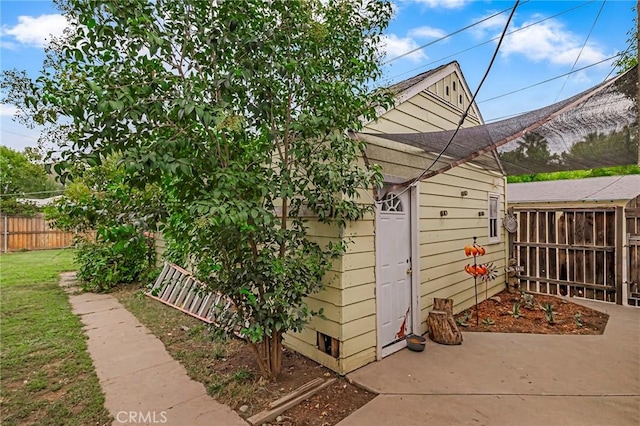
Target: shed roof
{"x":605,"y":188}
{"x":403,"y":85}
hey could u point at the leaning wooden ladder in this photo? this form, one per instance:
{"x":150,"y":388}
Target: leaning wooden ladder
{"x":176,"y":287}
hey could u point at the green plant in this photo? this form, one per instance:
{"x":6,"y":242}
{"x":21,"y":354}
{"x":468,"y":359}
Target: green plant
{"x":549,"y":313}
{"x":515,"y":311}
{"x":577,"y":318}
{"x":242,"y":374}
{"x":119,"y":255}
{"x":101,"y":199}
{"x":463,"y":320}
{"x":528,"y":299}
{"x":488,"y":322}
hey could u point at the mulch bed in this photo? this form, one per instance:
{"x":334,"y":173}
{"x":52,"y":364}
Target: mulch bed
{"x":496,"y":315}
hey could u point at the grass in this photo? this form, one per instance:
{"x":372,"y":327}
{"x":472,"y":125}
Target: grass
{"x":47,"y":375}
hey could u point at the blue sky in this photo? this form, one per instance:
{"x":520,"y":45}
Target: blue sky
{"x":531,"y":54}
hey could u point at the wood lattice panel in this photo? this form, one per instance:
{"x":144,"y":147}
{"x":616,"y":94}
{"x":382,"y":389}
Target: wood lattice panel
{"x":177,"y":288}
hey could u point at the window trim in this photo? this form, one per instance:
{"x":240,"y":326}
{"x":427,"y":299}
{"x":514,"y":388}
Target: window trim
{"x":497,"y":237}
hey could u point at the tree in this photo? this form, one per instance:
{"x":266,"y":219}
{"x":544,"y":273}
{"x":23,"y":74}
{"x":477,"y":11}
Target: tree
{"x":629,"y":57}
{"x":22,"y":176}
{"x":532,"y":154}
{"x":239,"y":111}
{"x":99,"y":199}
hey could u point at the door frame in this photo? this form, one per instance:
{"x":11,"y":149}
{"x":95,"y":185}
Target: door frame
{"x":414,"y":211}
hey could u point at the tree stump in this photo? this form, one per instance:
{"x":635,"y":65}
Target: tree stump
{"x":441,"y":324}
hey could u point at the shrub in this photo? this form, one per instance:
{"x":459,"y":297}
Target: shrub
{"x":119,"y":256}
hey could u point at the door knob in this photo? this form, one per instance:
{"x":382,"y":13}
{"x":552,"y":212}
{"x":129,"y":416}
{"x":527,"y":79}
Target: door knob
{"x":409,"y":271}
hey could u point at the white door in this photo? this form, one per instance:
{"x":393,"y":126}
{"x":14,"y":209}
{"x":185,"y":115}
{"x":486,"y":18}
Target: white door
{"x":394,"y":269}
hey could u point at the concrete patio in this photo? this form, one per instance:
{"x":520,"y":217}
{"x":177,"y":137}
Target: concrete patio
{"x":500,"y":379}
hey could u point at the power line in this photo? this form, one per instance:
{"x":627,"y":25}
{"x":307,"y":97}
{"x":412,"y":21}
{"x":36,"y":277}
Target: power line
{"x":22,"y":194}
{"x":490,"y":40}
{"x":17,"y":134}
{"x":581,"y":49}
{"x":549,"y":79}
{"x":413,"y":181}
{"x":449,"y":35}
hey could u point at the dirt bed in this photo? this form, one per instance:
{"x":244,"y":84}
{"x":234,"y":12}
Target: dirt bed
{"x":531,"y":313}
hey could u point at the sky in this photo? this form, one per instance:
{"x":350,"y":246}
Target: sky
{"x":549,"y":39}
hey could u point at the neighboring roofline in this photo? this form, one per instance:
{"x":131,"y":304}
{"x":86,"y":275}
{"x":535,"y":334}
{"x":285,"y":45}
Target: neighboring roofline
{"x":598,"y":193}
{"x":430,"y":79}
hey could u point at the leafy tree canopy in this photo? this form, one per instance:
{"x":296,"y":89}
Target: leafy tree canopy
{"x":21,"y":175}
{"x":629,"y":58}
{"x":239,"y":111}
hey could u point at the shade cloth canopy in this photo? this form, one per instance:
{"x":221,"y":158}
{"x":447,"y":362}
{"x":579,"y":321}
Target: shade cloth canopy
{"x":595,"y":128}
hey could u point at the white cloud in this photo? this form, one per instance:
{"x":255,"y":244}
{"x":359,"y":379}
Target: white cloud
{"x":550,"y":42}
{"x":8,"y":45}
{"x":426,"y":32}
{"x":491,"y":27}
{"x":36,"y":31}
{"x":7,"y":110}
{"x":394,"y":46}
{"x":444,"y":4}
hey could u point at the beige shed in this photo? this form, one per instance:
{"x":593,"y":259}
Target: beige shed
{"x":411,"y":249}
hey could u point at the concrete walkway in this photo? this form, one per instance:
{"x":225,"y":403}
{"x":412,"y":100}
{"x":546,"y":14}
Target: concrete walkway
{"x":507,"y":379}
{"x":141,"y":382}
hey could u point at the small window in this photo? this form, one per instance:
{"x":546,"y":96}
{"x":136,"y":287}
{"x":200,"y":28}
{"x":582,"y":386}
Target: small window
{"x":454,"y":86}
{"x":391,"y":203}
{"x":446,"y":90}
{"x":460,"y":99}
{"x":494,"y":218}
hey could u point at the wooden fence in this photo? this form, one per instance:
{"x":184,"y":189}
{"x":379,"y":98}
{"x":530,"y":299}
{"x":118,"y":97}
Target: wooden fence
{"x":632,"y":217}
{"x":573,"y":252}
{"x":31,"y":233}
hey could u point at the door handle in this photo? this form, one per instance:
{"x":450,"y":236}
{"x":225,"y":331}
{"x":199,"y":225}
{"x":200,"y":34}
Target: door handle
{"x":409,"y":271}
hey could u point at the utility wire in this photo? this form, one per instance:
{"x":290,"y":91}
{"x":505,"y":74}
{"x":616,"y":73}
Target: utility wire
{"x":548,"y":80}
{"x":413,"y":181}
{"x":449,"y":35}
{"x":581,"y":49}
{"x":490,"y":40}
{"x":22,"y":194}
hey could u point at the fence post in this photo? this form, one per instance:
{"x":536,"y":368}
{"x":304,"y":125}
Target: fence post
{"x":5,"y":233}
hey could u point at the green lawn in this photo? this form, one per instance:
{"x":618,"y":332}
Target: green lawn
{"x":47,"y":375}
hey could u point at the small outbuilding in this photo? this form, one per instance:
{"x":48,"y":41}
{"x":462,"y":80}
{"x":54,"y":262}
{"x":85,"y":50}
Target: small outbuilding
{"x":579,"y":237}
{"x":411,"y":249}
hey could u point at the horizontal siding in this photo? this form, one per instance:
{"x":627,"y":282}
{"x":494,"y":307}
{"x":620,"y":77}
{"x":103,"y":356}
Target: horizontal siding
{"x":359,"y":343}
{"x":398,"y":162}
{"x":355,"y":278}
{"x":357,"y":360}
{"x":424,"y":112}
{"x":347,"y":331}
{"x":442,"y":239}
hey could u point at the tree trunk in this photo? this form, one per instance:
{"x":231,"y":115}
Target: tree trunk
{"x":441,"y":324}
{"x":269,"y":355}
